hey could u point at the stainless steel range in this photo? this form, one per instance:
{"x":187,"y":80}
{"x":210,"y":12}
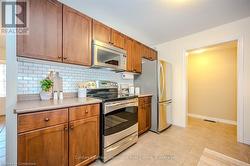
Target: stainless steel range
{"x":119,"y":120}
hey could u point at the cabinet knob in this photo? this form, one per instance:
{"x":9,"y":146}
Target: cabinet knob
{"x":65,"y":58}
{"x":86,"y":111}
{"x":46,"y":119}
{"x":71,"y":126}
{"x":59,"y":57}
{"x":66,"y":128}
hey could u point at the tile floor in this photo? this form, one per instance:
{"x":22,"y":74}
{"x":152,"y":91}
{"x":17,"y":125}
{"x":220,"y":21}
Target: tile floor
{"x":2,"y":140}
{"x":182,"y":146}
{"x":175,"y":146}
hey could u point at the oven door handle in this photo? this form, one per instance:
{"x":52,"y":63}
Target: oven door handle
{"x":112,"y":107}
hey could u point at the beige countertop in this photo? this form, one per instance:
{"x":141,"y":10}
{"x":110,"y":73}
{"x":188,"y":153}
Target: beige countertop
{"x":145,"y":95}
{"x":38,"y":105}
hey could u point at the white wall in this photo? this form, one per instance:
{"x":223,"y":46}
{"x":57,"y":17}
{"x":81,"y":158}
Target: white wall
{"x":174,"y":52}
{"x":11,"y":99}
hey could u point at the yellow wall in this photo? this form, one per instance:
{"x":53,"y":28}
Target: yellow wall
{"x":212,"y":83}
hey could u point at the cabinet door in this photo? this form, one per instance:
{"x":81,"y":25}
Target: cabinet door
{"x":129,"y":43}
{"x":84,"y":141}
{"x":118,"y":39}
{"x":48,"y":146}
{"x":141,"y":116}
{"x":76,"y":37}
{"x":153,"y":54}
{"x":147,"y":53}
{"x":101,"y":32}
{"x":148,"y":116}
{"x":137,"y":57}
{"x":44,"y":40}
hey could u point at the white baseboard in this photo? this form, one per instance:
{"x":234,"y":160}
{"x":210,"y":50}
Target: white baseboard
{"x":213,"y":119}
{"x":246,"y":141}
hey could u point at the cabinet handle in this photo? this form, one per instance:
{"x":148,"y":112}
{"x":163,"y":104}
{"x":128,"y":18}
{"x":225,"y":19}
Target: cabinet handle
{"x":111,"y":43}
{"x":71,"y":126}
{"x":65,"y":58}
{"x":59,"y":57}
{"x":66,"y":128}
{"x":46,"y":119}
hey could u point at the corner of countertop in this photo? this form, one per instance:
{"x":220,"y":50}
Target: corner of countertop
{"x":145,"y":95}
{"x":38,"y":105}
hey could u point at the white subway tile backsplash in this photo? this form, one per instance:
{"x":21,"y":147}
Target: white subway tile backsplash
{"x":31,"y":73}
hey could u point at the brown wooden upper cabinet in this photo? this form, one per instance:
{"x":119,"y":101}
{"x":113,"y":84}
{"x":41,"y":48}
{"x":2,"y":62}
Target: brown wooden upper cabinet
{"x":137,"y":57}
{"x":76,"y":37}
{"x":129,"y":47}
{"x":149,"y":53}
{"x":106,"y":34}
{"x":118,"y":39}
{"x":134,"y":55}
{"x":153,"y":54}
{"x":44,"y":40}
{"x":62,"y":34}
{"x":101,"y":32}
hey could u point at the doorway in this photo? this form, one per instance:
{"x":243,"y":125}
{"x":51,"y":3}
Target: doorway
{"x":212,"y":81}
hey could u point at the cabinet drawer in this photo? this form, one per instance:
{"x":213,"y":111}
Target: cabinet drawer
{"x":141,"y":101}
{"x":32,"y":121}
{"x":147,"y":100}
{"x":82,"y":112}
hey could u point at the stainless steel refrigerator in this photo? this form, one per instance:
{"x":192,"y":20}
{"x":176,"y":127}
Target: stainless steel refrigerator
{"x":156,"y":78}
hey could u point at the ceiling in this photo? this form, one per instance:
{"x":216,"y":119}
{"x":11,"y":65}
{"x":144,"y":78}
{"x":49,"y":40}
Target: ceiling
{"x":158,"y":21}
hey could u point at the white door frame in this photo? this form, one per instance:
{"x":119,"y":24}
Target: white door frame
{"x":240,"y":84}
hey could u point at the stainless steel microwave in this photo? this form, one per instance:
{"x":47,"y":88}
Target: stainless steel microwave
{"x":108,"y":56}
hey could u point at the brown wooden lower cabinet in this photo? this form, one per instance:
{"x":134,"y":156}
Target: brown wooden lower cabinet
{"x":47,"y":146}
{"x":74,"y":142}
{"x":144,"y":114}
{"x":84,"y":141}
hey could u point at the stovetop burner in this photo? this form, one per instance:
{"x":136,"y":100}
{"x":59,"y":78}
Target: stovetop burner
{"x":108,"y":94}
{"x":106,"y":91}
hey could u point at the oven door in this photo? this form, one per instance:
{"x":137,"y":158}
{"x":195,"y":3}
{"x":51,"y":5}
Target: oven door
{"x":108,"y":56}
{"x":120,"y":120}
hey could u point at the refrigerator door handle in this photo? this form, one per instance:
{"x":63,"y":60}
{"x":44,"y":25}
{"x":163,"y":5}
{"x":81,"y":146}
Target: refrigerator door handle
{"x":166,"y":103}
{"x":163,"y":80}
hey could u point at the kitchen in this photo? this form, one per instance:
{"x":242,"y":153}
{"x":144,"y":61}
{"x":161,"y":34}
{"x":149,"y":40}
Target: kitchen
{"x":103,"y":92}
{"x":103,"y":121}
